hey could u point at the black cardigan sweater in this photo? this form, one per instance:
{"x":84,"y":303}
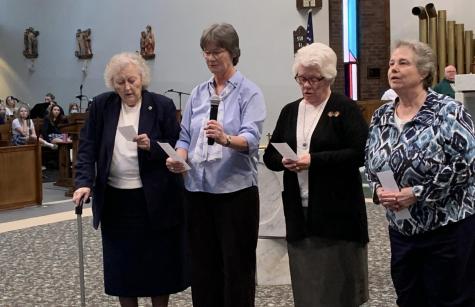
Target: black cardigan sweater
{"x":336,"y":205}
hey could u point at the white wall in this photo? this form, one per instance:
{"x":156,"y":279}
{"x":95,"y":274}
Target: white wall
{"x":404,"y":25}
{"x":264,"y":26}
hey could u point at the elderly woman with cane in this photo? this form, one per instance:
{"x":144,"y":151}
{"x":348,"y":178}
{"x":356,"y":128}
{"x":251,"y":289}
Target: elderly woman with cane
{"x":136,"y":201}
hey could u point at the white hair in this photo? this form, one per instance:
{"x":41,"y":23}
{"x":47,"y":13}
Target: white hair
{"x":317,"y":55}
{"x":121,"y":60}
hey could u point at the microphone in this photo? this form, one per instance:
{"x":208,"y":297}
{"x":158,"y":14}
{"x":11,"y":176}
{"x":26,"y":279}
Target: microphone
{"x":80,"y":96}
{"x":213,"y":113}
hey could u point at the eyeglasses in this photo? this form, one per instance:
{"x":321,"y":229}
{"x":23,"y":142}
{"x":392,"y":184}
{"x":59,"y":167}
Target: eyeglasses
{"x":215,"y":53}
{"x":311,"y":80}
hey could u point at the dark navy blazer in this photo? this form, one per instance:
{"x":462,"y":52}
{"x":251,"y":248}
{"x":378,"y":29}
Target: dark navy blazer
{"x":163,"y":190}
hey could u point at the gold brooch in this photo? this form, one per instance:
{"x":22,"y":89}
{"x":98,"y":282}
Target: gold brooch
{"x":333,"y":114}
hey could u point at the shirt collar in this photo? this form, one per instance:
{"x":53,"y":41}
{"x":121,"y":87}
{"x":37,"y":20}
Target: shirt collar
{"x":232,"y":83}
{"x":425,"y":116}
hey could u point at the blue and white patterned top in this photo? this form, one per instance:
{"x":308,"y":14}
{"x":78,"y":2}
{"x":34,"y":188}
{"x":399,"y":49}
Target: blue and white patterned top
{"x":434,"y":154}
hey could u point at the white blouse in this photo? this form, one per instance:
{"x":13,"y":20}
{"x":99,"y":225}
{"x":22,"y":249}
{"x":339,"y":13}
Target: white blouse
{"x":307,"y":120}
{"x":124,"y":170}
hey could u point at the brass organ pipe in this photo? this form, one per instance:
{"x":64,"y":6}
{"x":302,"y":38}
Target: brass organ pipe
{"x":441,"y":42}
{"x":451,"y":42}
{"x":420,"y":11}
{"x":473,"y":59}
{"x":468,"y":50}
{"x":459,"y":40}
{"x":432,"y":33}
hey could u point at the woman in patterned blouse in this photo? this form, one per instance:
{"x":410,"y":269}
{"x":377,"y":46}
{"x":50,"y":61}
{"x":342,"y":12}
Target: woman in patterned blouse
{"x":426,"y":142}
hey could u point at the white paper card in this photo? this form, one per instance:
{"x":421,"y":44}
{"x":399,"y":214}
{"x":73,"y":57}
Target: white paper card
{"x":173,"y":154}
{"x":285,"y":150}
{"x":128,"y":132}
{"x":386,"y":179}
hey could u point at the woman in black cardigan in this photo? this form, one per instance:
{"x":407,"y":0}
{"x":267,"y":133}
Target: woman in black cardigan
{"x":324,"y":205}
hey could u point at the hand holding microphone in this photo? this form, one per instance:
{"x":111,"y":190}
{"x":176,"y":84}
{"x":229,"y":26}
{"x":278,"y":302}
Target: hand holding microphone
{"x":214,"y":128}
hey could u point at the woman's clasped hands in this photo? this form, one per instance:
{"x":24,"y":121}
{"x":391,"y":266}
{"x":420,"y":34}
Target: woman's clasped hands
{"x":396,"y":200}
{"x":303,"y":163}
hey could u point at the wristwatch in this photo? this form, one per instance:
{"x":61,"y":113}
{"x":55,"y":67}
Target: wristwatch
{"x":417,"y":191}
{"x":228,"y":141}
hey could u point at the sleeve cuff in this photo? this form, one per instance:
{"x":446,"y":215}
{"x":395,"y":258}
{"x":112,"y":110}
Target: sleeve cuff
{"x":375,"y":186}
{"x":181,"y":144}
{"x":252,"y":142}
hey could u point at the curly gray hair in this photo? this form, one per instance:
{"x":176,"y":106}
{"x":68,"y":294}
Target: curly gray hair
{"x":317,"y":55}
{"x":121,"y":60}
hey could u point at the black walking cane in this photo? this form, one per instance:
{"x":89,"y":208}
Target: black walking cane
{"x":81,"y":252}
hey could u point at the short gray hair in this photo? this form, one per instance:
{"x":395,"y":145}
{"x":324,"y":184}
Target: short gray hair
{"x":424,"y":58}
{"x":121,"y":60}
{"x":223,"y":35}
{"x":317,"y":55}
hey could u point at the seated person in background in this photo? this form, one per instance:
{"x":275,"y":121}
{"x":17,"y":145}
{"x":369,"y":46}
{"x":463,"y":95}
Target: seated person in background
{"x":40,"y":110}
{"x":3,"y":114}
{"x":50,"y":131}
{"x":23,"y":130}
{"x":446,"y":85}
{"x":389,"y":95}
{"x":10,"y":104}
{"x":74,"y":108}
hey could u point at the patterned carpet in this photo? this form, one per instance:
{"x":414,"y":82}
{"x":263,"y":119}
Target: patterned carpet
{"x":39,"y":267}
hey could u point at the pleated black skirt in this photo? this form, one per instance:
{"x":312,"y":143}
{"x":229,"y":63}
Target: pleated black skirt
{"x":140,"y":259}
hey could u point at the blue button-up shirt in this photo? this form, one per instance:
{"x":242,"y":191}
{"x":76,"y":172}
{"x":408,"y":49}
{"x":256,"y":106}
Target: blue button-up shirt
{"x":243,"y":115}
{"x":434,"y":154}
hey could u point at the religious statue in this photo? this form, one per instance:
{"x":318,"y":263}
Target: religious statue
{"x":147,"y":43}
{"x":30,"y":39}
{"x":83,"y":44}
{"x":143,"y":37}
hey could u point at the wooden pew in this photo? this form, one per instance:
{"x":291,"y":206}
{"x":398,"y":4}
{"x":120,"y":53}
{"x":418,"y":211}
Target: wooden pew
{"x":20,"y":181}
{"x":368,"y":107}
{"x":73,"y":128}
{"x":5,"y":134}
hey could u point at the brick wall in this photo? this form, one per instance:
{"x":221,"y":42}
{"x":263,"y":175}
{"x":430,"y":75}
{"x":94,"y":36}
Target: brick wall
{"x":336,"y":42}
{"x":374,"y":45}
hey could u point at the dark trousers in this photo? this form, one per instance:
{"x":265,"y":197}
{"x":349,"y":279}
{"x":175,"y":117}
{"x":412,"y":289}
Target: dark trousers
{"x":436,"y":268}
{"x":223,"y":231}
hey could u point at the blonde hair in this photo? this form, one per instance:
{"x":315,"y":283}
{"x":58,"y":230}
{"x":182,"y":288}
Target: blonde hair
{"x":17,"y":114}
{"x":121,"y":60}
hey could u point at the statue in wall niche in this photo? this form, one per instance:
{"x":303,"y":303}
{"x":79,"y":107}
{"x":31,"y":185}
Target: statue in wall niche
{"x":83,"y":44}
{"x":147,"y":43}
{"x":30,"y":38}
{"x":142,"y":42}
